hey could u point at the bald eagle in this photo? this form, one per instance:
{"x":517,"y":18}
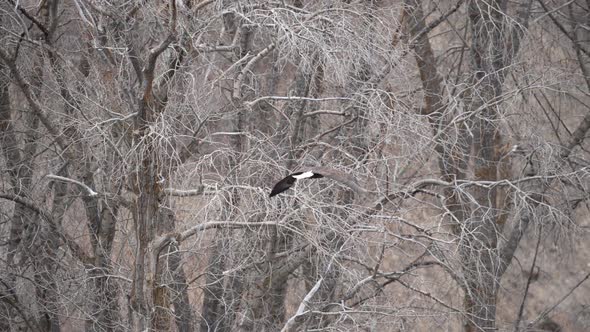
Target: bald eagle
{"x":317,"y":172}
{"x":289,"y":181}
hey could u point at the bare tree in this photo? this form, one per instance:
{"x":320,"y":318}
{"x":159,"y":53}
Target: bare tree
{"x":139,"y":142}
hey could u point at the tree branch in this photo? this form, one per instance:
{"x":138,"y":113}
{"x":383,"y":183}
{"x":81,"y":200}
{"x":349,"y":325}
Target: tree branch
{"x":294,"y":322}
{"x":201,"y":4}
{"x":237,"y":89}
{"x":548,"y":310}
{"x":76,"y":182}
{"x":294,"y":98}
{"x":320,"y":112}
{"x":161,"y":241}
{"x":31,"y":18}
{"x":74,"y":247}
{"x":148,"y":71}
{"x":201,"y":190}
{"x":561,"y":27}
{"x":35,"y":106}
{"x":424,"y":31}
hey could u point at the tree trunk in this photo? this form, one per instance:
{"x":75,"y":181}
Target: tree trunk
{"x":171,"y":283}
{"x":20,"y":169}
{"x":479,"y":233}
{"x":145,"y":217}
{"x":28,"y":235}
{"x":105,"y":309}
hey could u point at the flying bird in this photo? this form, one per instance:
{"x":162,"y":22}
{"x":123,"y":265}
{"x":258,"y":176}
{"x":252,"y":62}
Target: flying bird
{"x":317,"y":172}
{"x":290,"y":180}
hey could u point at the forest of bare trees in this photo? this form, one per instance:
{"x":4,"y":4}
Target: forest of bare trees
{"x":139,"y":141}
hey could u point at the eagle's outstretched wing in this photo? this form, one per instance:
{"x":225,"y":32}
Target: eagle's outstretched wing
{"x":316,"y":172}
{"x":290,"y":179}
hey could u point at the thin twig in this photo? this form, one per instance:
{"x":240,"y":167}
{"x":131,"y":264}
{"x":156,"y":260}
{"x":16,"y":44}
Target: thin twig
{"x":547,"y":311}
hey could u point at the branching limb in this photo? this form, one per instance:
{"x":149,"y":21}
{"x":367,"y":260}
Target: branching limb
{"x":424,"y":31}
{"x":148,"y":71}
{"x":294,"y":98}
{"x":237,"y":89}
{"x":161,"y":241}
{"x":549,"y":12}
{"x":201,"y":190}
{"x":294,"y":322}
{"x":74,"y":247}
{"x":550,"y":309}
{"x":324,"y":112}
{"x":25,"y":87}
{"x":430,"y":296}
{"x":76,"y":182}
{"x":201,"y":5}
{"x":32,"y":18}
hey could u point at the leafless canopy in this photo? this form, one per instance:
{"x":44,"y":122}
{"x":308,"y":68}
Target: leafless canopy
{"x":139,"y":141}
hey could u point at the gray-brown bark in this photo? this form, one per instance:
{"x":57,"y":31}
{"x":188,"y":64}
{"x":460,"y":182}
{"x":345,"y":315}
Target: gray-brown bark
{"x":26,"y":230}
{"x":481,"y":225}
{"x":139,"y":143}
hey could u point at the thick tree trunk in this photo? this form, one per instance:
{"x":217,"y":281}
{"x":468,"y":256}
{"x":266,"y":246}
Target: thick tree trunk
{"x":105,"y":309}
{"x":145,"y":222}
{"x":171,"y":285}
{"x":479,"y":234}
{"x":20,"y":171}
{"x":149,"y":297}
{"x":28,"y":237}
{"x":479,"y":248}
{"x":183,"y":311}
{"x":218,"y":300}
{"x":212,"y":308}
{"x":266,"y":299}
